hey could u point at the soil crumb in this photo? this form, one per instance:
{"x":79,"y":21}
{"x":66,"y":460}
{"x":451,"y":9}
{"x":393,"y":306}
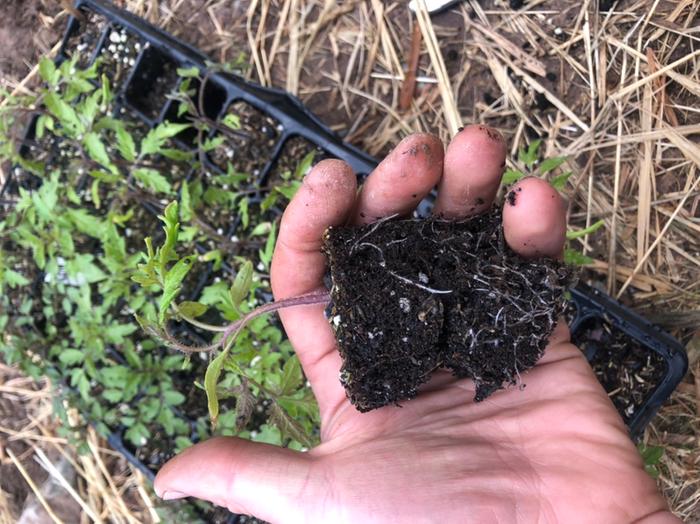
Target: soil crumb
{"x":412,"y":296}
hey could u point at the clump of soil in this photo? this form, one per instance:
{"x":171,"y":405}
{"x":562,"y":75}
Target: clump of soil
{"x":412,"y":296}
{"x":628,"y":371}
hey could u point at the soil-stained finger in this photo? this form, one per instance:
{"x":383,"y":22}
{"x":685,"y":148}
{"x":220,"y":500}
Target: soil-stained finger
{"x":326,"y":198}
{"x":401,"y":180}
{"x":534,"y":219}
{"x":474,"y":163}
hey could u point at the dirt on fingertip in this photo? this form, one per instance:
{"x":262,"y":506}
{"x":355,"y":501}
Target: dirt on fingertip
{"x":412,"y":296}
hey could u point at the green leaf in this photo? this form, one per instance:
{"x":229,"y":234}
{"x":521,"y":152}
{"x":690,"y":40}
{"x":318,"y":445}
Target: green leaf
{"x":574,"y":257}
{"x":156,"y":137}
{"x":263,"y":228}
{"x":172,"y":282}
{"x":48,"y":72}
{"x":63,"y":111}
{"x":138,"y":434}
{"x":192,"y":309}
{"x":511,"y":176}
{"x":153,"y":180}
{"x":292,"y":376}
{"x":96,"y":149}
{"x":266,"y":254}
{"x":570,"y":235}
{"x":113,"y":395}
{"x":529,"y":156}
{"x":173,"y":398}
{"x":171,"y":229}
{"x":241,"y":285}
{"x":232,"y":121}
{"x":550,"y":163}
{"x":211,"y":379}
{"x":559,"y":181}
{"x":71,"y":357}
{"x":650,"y":454}
{"x":188,"y":72}
{"x":305,"y":165}
{"x":86,"y":223}
{"x":185,"y":203}
{"x":125,"y":144}
{"x":13,"y":278}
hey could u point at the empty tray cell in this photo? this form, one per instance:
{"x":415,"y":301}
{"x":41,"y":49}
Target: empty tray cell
{"x":154,"y":79}
{"x":118,"y":55}
{"x":84,"y":38}
{"x":213,"y":98}
{"x":250,"y":137}
{"x":294,"y":161}
{"x":628,"y":370}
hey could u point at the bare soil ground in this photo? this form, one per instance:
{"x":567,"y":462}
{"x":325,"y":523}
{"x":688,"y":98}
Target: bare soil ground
{"x":616,"y":90}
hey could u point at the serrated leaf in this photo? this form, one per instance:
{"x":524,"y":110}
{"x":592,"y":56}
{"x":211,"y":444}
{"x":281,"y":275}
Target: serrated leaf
{"x":245,"y":404}
{"x":571,"y":235}
{"x":292,"y":376}
{"x":550,"y":163}
{"x":241,"y":284}
{"x":529,"y":156}
{"x":171,"y":287}
{"x":211,"y":379}
{"x":153,"y":180}
{"x":125,"y":144}
{"x":63,"y":111}
{"x":156,"y":137}
{"x":192,"y":309}
{"x":86,"y":223}
{"x":289,"y":427}
{"x":559,"y":181}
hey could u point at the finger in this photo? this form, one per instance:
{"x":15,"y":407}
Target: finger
{"x":401,"y":180}
{"x":325,"y":199}
{"x":474,"y":164}
{"x":534,"y":219}
{"x":245,"y":477}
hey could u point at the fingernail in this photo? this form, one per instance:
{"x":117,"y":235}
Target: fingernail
{"x":173,"y":495}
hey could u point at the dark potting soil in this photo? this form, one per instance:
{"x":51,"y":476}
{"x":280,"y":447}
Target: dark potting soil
{"x":84,"y":40}
{"x":628,"y":371}
{"x":249,"y":147}
{"x":412,"y":296}
{"x":154,"y":79}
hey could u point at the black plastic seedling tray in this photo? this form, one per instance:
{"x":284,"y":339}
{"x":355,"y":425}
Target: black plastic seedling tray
{"x":151,"y":74}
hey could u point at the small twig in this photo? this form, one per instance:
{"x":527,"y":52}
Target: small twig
{"x":409,"y":83}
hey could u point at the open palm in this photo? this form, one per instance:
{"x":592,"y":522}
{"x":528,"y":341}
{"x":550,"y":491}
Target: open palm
{"x":552,"y":450}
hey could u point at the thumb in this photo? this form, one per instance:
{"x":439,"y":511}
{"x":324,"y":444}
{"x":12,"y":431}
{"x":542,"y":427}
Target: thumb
{"x":245,"y":477}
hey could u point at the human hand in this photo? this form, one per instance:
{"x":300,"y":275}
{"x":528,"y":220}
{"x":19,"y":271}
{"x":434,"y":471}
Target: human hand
{"x":556,"y":451}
